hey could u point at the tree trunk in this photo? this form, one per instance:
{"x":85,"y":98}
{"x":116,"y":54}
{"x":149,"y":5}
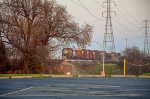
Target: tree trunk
{"x":26,"y":65}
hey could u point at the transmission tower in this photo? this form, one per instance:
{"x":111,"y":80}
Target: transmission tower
{"x":146,"y":38}
{"x":108,"y":42}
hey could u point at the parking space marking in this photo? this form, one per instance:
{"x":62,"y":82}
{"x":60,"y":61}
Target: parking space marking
{"x":16,"y":91}
{"x":77,"y":94}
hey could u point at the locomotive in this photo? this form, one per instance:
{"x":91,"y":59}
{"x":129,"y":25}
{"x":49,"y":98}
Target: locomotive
{"x":67,"y":53}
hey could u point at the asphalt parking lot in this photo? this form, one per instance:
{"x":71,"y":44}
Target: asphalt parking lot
{"x":75,"y":88}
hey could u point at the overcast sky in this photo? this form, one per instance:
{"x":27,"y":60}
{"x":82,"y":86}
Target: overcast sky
{"x":126,"y":24}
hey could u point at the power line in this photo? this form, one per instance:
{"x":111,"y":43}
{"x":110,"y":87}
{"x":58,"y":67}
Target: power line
{"x":78,"y":19}
{"x":116,"y":29}
{"x":125,"y":25}
{"x":123,"y":34}
{"x":121,"y":18}
{"x":127,"y":11}
{"x":89,"y":11}
{"x":75,"y":3}
{"x":96,"y":1}
{"x":124,"y":17}
{"x":121,"y":23}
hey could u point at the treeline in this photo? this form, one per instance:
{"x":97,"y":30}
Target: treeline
{"x":137,"y":61}
{"x":32,"y":30}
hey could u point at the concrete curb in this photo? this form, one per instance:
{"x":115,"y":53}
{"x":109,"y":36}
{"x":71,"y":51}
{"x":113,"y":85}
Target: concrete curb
{"x":132,"y":76}
{"x":70,"y":76}
{"x":129,"y":76}
{"x":90,"y":76}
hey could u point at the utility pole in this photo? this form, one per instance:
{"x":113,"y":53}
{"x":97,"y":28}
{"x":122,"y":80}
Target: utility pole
{"x":146,"y":38}
{"x":146,"y":41}
{"x":108,"y":42}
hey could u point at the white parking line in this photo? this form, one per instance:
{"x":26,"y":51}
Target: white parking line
{"x":79,"y":94}
{"x":89,"y":85}
{"x":16,"y":91}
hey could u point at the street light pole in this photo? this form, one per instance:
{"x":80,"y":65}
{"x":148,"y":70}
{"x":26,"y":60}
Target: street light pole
{"x":103,"y":62}
{"x":103,"y":56}
{"x":103,"y":72}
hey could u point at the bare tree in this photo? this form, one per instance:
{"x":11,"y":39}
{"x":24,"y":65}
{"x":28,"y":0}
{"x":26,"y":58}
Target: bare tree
{"x":30,"y":25}
{"x":3,"y":58}
{"x":134,"y":55}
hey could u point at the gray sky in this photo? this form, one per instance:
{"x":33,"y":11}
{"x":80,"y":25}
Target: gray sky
{"x":126,"y":24}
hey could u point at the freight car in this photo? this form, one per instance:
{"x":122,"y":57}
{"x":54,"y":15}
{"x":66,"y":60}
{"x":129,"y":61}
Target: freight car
{"x":85,"y":54}
{"x":96,"y":55}
{"x":79,"y":54}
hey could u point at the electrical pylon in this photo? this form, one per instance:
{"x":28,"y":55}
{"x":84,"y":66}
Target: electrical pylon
{"x":146,"y":38}
{"x":108,"y":42}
